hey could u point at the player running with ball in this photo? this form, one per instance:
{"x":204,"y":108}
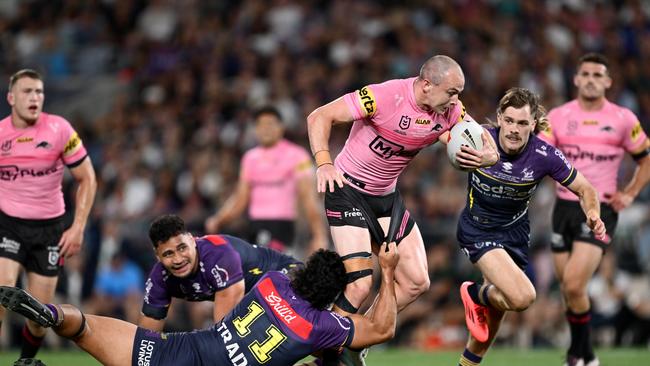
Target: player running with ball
{"x":494,"y":230}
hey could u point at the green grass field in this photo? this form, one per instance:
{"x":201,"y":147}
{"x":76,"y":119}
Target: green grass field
{"x":394,"y":357}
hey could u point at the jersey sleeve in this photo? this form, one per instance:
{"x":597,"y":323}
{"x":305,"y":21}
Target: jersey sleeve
{"x":364,"y":103}
{"x":634,"y":135}
{"x":223,"y":265}
{"x":334,"y":330}
{"x":245,"y":167}
{"x":156,"y":297}
{"x":560,"y":169}
{"x":73,"y":149}
{"x":304,"y":166}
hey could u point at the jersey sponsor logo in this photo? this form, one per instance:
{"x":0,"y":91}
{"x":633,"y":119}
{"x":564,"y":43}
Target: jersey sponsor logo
{"x":541,"y":150}
{"x":145,"y":350}
{"x":507,"y":167}
{"x":283,"y":310}
{"x":255,"y":271}
{"x":367,"y":101}
{"x":305,"y":165}
{"x":422,"y":121}
{"x":574,"y":152}
{"x":590,"y":122}
{"x":220,"y":275}
{"x":636,"y":131}
{"x":462,"y":112}
{"x":556,"y":240}
{"x":9,"y":245}
{"x":398,"y":100}
{"x":405,"y":122}
{"x":344,"y":322}
{"x":12,"y":172}
{"x":502,"y":190}
{"x":355,"y":212}
{"x":73,"y":145}
{"x":384,"y":148}
{"x":21,"y":140}
{"x":234,"y":354}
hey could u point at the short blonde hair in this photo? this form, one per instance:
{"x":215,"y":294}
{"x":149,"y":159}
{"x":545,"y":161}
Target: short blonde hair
{"x":521,"y":97}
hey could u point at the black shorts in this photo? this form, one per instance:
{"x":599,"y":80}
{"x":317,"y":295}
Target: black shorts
{"x":475,"y":241}
{"x":341,"y":210}
{"x":32,"y":243}
{"x":569,"y":225}
{"x":263,"y":232}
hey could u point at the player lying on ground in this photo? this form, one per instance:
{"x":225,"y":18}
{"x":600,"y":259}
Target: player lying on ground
{"x":279,"y":322}
{"x":217,"y":268}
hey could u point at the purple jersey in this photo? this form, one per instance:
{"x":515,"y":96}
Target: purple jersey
{"x":219,"y":267}
{"x":499,"y":195}
{"x":272,"y":326}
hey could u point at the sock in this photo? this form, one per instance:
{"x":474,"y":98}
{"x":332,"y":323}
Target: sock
{"x":473,"y":290}
{"x":31,"y":343}
{"x":55,"y":313}
{"x":579,"y":326}
{"x":587,"y":347}
{"x":469,"y":359}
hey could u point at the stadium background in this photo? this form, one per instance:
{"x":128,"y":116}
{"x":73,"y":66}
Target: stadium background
{"x":162,"y":93}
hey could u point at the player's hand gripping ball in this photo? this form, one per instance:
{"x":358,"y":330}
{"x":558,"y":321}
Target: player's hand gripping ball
{"x":464,"y":133}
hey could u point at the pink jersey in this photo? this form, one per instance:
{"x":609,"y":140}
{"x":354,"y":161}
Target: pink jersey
{"x":31,"y":166}
{"x":388,"y":131}
{"x":594,"y":142}
{"x":273,"y":174}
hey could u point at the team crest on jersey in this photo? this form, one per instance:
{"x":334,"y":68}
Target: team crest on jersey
{"x":367,"y":101}
{"x":528,"y":174}
{"x":405,"y":122}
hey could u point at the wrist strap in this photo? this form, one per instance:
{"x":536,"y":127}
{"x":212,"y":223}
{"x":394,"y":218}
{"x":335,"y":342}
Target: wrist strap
{"x":322,"y":157}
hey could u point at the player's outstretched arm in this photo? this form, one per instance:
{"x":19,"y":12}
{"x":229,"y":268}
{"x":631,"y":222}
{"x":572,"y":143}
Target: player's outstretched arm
{"x":378,"y":325}
{"x":590,"y":204}
{"x":319,"y":126}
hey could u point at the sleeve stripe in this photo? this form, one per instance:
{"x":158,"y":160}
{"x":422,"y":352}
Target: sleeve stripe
{"x":568,"y":180}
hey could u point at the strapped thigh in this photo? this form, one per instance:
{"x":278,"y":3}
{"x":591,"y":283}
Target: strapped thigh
{"x":357,"y":265}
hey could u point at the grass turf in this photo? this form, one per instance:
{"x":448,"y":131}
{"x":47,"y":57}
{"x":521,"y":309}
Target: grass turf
{"x":402,"y":357}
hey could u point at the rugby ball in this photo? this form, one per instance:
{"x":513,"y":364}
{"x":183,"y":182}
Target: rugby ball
{"x":464,"y":133}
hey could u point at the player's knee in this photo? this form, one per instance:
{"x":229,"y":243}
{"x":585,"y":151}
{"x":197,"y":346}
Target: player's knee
{"x":358,"y":291}
{"x":573,"y":288}
{"x":523,"y":299}
{"x":73,"y":322}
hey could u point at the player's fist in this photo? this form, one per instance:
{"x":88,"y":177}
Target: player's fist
{"x":388,"y":255}
{"x":597,"y":226}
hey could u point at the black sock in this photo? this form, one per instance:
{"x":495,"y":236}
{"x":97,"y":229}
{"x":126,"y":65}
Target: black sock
{"x":473,"y":290}
{"x":469,"y":359}
{"x":31,"y":343}
{"x":587,"y":347}
{"x":579,"y":325}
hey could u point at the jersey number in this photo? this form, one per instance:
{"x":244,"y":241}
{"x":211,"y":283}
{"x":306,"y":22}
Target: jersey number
{"x":260,"y":350}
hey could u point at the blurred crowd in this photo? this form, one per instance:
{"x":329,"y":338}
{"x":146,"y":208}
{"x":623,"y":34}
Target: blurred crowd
{"x":162,"y":93}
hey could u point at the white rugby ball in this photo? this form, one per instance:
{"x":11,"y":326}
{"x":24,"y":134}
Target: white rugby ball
{"x":464,"y":133}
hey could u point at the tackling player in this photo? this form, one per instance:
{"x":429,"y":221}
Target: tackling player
{"x":279,"y":322}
